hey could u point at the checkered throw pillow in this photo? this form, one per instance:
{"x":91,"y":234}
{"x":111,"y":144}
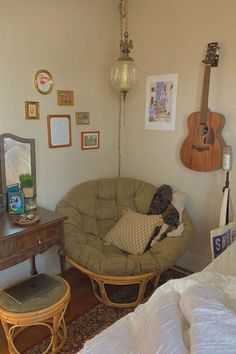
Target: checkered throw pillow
{"x":133,"y":231}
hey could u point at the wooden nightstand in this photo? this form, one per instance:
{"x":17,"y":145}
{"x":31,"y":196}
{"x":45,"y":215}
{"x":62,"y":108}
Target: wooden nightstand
{"x":18,"y":243}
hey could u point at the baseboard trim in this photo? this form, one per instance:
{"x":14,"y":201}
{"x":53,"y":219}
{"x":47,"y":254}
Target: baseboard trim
{"x":193,"y":262}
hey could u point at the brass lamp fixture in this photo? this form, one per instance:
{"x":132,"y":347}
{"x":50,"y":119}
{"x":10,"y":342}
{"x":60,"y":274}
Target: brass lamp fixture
{"x":124,"y":73}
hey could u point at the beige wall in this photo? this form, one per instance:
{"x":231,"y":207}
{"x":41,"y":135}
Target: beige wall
{"x":172,"y":38}
{"x":74,"y":40}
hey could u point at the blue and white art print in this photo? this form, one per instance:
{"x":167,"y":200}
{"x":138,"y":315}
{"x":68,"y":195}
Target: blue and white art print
{"x":161,"y":94}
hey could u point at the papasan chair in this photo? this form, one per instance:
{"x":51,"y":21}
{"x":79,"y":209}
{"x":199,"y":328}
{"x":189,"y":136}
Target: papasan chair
{"x":95,"y":211}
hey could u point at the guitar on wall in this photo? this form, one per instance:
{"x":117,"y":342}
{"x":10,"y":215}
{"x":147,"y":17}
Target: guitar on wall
{"x":202,"y":150}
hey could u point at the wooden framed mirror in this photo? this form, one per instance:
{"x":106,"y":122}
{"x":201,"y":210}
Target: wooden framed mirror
{"x":17,"y":156}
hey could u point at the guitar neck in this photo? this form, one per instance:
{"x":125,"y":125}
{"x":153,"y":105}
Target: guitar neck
{"x":205,"y":94}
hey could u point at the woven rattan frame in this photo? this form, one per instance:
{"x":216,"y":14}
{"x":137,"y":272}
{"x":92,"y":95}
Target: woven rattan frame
{"x":52,"y":317}
{"x":100,"y":280}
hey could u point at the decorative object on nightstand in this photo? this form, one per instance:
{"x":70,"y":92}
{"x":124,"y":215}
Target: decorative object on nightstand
{"x":15,"y":199}
{"x":26,"y":219}
{"x":27,"y":185}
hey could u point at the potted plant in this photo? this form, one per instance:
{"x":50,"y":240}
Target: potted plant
{"x":27,"y":185}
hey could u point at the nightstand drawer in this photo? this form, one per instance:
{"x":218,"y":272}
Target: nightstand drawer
{"x":37,"y":238}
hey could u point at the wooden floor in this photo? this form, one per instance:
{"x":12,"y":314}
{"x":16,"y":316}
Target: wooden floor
{"x":82,"y":300}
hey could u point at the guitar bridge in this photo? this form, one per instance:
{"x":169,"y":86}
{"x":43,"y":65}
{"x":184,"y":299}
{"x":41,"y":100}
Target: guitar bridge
{"x":200,"y":148}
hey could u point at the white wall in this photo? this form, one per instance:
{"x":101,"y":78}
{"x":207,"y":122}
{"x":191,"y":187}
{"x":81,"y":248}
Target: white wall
{"x":173,"y":38}
{"x":74,"y":40}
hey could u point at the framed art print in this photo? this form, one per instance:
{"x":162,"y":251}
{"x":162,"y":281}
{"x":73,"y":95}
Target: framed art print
{"x":65,"y":98}
{"x":161,"y":94}
{"x":81,"y":118}
{"x":43,"y":81}
{"x":90,"y":140}
{"x":31,"y":110}
{"x":59,"y":130}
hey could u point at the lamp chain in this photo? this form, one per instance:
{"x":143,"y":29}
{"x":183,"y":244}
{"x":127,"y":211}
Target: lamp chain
{"x":123,"y":19}
{"x":119,"y":133}
{"x":126,"y":16}
{"x":121,"y":26}
{"x":120,"y":121}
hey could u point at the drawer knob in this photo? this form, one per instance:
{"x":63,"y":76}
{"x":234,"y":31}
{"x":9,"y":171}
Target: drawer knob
{"x":38,"y":238}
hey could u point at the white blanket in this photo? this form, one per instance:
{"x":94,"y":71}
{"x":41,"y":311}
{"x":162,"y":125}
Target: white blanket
{"x":196,"y":314}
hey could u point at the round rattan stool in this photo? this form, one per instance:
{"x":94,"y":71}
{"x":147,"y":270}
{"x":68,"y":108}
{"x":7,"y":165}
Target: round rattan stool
{"x":47,"y":309}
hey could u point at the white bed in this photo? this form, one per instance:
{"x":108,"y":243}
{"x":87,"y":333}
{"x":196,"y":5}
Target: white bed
{"x":196,"y":314}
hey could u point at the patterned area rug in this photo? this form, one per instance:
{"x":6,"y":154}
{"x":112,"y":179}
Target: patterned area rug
{"x":98,"y":318}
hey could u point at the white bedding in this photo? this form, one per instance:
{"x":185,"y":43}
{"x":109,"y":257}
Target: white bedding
{"x":196,"y":314}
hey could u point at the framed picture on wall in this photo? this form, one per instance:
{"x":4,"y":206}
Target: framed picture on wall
{"x":81,"y":118}
{"x":161,"y":94}
{"x":31,"y":110}
{"x":59,"y":130}
{"x":43,"y":81}
{"x":90,"y":140}
{"x":65,"y":98}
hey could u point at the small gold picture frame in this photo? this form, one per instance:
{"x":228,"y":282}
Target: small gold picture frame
{"x":65,"y":98}
{"x":81,"y":118}
{"x":31,"y":110}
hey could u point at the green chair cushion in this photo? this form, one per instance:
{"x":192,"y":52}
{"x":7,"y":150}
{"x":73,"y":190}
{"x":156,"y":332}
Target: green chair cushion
{"x":93,"y":208}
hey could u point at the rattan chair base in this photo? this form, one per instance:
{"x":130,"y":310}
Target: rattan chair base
{"x":99,"y":281}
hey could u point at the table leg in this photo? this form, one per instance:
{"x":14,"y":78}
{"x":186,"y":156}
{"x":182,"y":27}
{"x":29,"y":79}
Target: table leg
{"x":61,"y":254}
{"x":33,"y":266}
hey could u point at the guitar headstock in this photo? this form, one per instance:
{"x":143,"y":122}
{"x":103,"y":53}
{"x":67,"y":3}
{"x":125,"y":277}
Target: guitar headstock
{"x":212,"y":55}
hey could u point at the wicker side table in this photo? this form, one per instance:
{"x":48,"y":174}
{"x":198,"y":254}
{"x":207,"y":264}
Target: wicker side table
{"x":47,"y":310}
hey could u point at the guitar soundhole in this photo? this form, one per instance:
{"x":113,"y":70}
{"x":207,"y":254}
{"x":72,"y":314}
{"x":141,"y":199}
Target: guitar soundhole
{"x":203,"y":129}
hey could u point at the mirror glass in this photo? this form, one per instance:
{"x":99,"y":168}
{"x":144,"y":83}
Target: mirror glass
{"x":17,"y":156}
{"x":17,"y":160}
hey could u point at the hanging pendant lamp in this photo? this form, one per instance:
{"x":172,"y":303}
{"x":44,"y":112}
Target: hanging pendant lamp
{"x":124,"y":73}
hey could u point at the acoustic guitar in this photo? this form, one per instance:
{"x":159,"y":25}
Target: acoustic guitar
{"x":202,"y":150}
